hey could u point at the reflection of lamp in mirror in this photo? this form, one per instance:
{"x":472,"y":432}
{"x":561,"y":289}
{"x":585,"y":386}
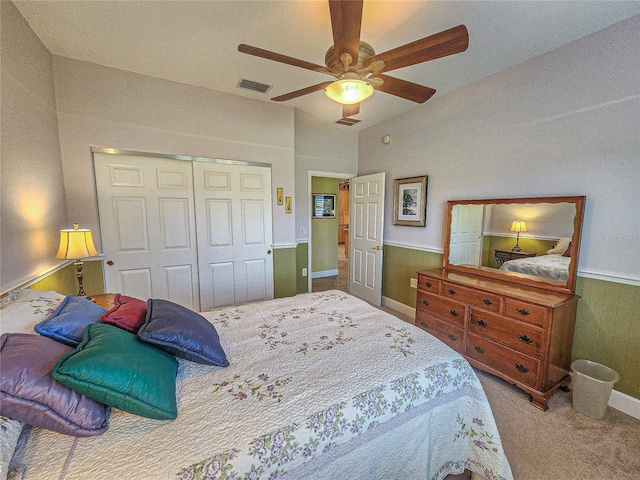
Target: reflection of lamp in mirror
{"x":76,"y":244}
{"x":518,"y":226}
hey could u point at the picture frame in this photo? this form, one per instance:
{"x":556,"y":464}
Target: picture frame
{"x":279,"y":196}
{"x":410,"y":201}
{"x":324,"y":205}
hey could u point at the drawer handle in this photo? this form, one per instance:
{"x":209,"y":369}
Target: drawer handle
{"x":525,"y":339}
{"x":454,"y":313}
{"x":424,"y":302}
{"x":481,"y":323}
{"x":452,"y":337}
{"x":523,"y":312}
{"x":486,"y":301}
{"x":521,"y":368}
{"x":478,"y":349}
{"x":423,"y":324}
{"x":452,"y":291}
{"x":427,"y":284}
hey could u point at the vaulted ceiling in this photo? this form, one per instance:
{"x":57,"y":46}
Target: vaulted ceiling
{"x":195,"y":42}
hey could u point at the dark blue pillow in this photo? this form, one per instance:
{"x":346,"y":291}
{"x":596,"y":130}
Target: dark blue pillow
{"x":66,"y":324}
{"x":182,"y":332}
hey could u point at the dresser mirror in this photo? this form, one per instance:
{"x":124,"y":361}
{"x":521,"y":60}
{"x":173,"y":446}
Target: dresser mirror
{"x":529,"y":241}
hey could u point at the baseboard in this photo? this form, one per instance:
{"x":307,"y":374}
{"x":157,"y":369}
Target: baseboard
{"x":324,"y":273}
{"x":625,"y":403}
{"x":399,"y":307}
{"x":618,"y":400}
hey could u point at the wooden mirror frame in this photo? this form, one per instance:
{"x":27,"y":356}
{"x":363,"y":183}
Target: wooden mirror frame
{"x":519,"y":278}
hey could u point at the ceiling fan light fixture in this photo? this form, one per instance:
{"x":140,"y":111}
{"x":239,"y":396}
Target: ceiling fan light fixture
{"x":349,"y":91}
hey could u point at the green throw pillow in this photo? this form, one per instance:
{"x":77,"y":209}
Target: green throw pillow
{"x":115,"y":368}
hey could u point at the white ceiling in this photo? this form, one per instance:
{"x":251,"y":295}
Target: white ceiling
{"x":195,"y":42}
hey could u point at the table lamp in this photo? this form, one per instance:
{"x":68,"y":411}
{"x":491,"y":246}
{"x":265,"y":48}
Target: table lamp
{"x":76,"y":244}
{"x":518,"y":226}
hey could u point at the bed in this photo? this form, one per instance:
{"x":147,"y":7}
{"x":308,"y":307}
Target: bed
{"x":317,"y":386}
{"x":554,"y":266}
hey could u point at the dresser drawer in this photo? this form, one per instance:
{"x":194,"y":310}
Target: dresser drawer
{"x":428,"y":284}
{"x":452,"y":336}
{"x":519,"y":335}
{"x":486,"y":301}
{"x":525,"y":311}
{"x":442,"y":308}
{"x":518,"y":366}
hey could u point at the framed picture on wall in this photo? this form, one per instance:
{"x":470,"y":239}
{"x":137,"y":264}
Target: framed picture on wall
{"x":410,"y":201}
{"x":324,"y":205}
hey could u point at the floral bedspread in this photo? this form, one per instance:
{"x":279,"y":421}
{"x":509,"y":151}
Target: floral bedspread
{"x":554,"y":266}
{"x":316,"y":384}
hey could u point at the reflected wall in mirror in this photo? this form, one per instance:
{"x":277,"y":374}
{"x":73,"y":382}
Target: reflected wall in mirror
{"x":533,"y":241}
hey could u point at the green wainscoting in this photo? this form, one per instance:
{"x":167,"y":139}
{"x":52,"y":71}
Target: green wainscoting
{"x":399,"y":265}
{"x":608,"y":329}
{"x":607,"y":323}
{"x":65,"y":280}
{"x":284,"y":272}
{"x":302,"y":261}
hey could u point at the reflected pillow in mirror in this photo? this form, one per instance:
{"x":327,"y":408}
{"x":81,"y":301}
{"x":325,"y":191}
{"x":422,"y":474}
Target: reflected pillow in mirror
{"x":560,"y":247}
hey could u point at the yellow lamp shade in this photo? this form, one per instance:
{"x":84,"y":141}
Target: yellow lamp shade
{"x":76,"y":243}
{"x":349,"y":91}
{"x":519,"y":226}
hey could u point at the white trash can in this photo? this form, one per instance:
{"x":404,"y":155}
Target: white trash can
{"x":592,"y":384}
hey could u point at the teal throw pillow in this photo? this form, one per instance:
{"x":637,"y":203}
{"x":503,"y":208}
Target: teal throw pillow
{"x":114,"y":367}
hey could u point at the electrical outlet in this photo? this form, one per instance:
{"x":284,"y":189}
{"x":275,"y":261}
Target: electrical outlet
{"x":304,"y":272}
{"x":303,"y":231}
{"x":413,"y":283}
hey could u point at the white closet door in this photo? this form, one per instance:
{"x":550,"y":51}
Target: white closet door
{"x":147,"y":223}
{"x":365,"y":236}
{"x":234,"y":218}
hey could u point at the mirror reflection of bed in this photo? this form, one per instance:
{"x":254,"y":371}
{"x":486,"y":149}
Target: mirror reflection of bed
{"x":528,"y":238}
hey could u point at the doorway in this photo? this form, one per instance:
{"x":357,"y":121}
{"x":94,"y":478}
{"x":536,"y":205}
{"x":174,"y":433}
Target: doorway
{"x":339,"y":281}
{"x":328,"y":252}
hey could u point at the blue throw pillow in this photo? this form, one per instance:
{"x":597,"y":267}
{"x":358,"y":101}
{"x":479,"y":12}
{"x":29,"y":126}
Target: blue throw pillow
{"x":66,"y":324}
{"x":114,"y":367}
{"x":182,"y":332}
{"x":29,"y":394}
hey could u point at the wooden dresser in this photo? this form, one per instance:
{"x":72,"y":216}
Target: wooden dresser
{"x":520,"y":333}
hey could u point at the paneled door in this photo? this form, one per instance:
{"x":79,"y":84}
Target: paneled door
{"x":365,"y":236}
{"x":147,"y":224}
{"x":234,"y":218}
{"x":466,"y":235}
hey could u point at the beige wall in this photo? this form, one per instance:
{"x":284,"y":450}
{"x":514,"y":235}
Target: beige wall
{"x":106,"y":107}
{"x":564,"y":123}
{"x":33,"y":207}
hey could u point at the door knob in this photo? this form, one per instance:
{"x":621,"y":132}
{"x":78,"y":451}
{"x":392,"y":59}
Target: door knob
{"x":268,"y":252}
{"x":110,"y":262}
{"x":377,"y":247}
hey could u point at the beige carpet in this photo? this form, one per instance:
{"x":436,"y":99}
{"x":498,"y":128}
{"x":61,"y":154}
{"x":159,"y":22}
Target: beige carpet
{"x":559,"y":444}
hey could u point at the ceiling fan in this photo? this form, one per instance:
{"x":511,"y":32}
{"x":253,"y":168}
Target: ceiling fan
{"x":358,"y":70}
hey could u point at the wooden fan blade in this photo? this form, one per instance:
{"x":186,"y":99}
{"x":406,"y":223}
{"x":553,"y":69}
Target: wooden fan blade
{"x":277,"y":57}
{"x":301,"y":92}
{"x":405,"y":89}
{"x":443,"y":44}
{"x":350,"y":110}
{"x":346,"y":20}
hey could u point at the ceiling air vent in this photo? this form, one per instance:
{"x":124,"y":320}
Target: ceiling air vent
{"x":255,"y":86}
{"x":348,"y":121}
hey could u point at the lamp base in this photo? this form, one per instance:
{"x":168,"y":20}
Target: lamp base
{"x":516,"y":249}
{"x":81,"y":292}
